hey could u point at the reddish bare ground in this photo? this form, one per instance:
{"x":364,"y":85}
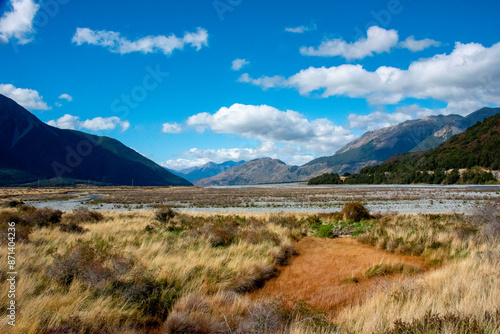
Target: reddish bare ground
{"x":316,"y":274}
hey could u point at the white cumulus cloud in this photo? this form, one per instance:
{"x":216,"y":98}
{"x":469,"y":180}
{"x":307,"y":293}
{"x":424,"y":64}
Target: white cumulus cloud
{"x":66,"y":97}
{"x":468,"y":76}
{"x":18,"y":22}
{"x":413,"y":45}
{"x":28,"y":98}
{"x":268,"y":124}
{"x":171,"y":128}
{"x":114,"y":42}
{"x":378,"y":40}
{"x":301,"y":29}
{"x":264,"y":82}
{"x":238,"y":64}
{"x":95,"y":124}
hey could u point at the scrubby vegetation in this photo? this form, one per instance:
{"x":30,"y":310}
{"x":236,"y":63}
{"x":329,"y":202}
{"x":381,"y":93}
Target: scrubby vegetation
{"x":167,"y":272}
{"x":328,"y":178}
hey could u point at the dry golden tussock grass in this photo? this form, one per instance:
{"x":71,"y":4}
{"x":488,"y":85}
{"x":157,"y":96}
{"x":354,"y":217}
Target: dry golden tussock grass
{"x":132,"y":273}
{"x":129,"y":269}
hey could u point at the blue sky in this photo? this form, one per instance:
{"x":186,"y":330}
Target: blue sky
{"x":187,"y":82}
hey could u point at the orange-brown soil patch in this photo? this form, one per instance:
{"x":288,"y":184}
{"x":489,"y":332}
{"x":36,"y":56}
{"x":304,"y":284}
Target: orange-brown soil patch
{"x":322,"y":273}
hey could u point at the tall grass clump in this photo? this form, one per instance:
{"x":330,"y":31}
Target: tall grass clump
{"x":355,"y":211}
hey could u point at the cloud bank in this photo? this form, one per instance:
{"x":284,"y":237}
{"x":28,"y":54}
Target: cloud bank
{"x":468,"y":76}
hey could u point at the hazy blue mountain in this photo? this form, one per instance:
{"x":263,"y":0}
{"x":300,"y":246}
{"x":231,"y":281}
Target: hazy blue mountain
{"x":207,"y":170}
{"x":262,"y":171}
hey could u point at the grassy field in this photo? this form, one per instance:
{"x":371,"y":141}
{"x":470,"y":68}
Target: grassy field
{"x":165,"y":272}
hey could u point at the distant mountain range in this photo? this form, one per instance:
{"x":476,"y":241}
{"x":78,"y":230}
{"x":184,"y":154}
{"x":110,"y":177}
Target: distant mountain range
{"x":370,"y":149}
{"x":32,"y":152}
{"x":263,"y":171}
{"x":207,"y":170}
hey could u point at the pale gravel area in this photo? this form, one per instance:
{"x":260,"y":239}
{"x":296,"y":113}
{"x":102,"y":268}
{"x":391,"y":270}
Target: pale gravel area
{"x":379,"y":198}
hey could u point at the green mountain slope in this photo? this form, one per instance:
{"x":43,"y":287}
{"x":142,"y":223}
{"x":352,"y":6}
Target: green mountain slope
{"x":31,"y":150}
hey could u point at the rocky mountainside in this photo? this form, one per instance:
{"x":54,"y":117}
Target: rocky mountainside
{"x":32,"y":152}
{"x":437,"y":138}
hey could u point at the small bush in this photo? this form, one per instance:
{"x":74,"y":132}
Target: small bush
{"x":264,"y":317}
{"x":449,"y":323}
{"x":14,"y":203}
{"x":79,"y":261}
{"x":8,"y":217}
{"x":350,"y":280}
{"x":84,"y":215}
{"x":220,"y":236}
{"x":256,"y":236}
{"x":164,"y":214}
{"x":488,"y":218}
{"x":40,"y":217}
{"x":254,"y":279}
{"x":355,"y":211}
{"x":22,"y":233}
{"x":72,"y":227}
{"x":153,"y":297}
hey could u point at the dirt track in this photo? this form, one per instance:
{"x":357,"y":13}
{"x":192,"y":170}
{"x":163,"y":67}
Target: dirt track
{"x":316,"y":275}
